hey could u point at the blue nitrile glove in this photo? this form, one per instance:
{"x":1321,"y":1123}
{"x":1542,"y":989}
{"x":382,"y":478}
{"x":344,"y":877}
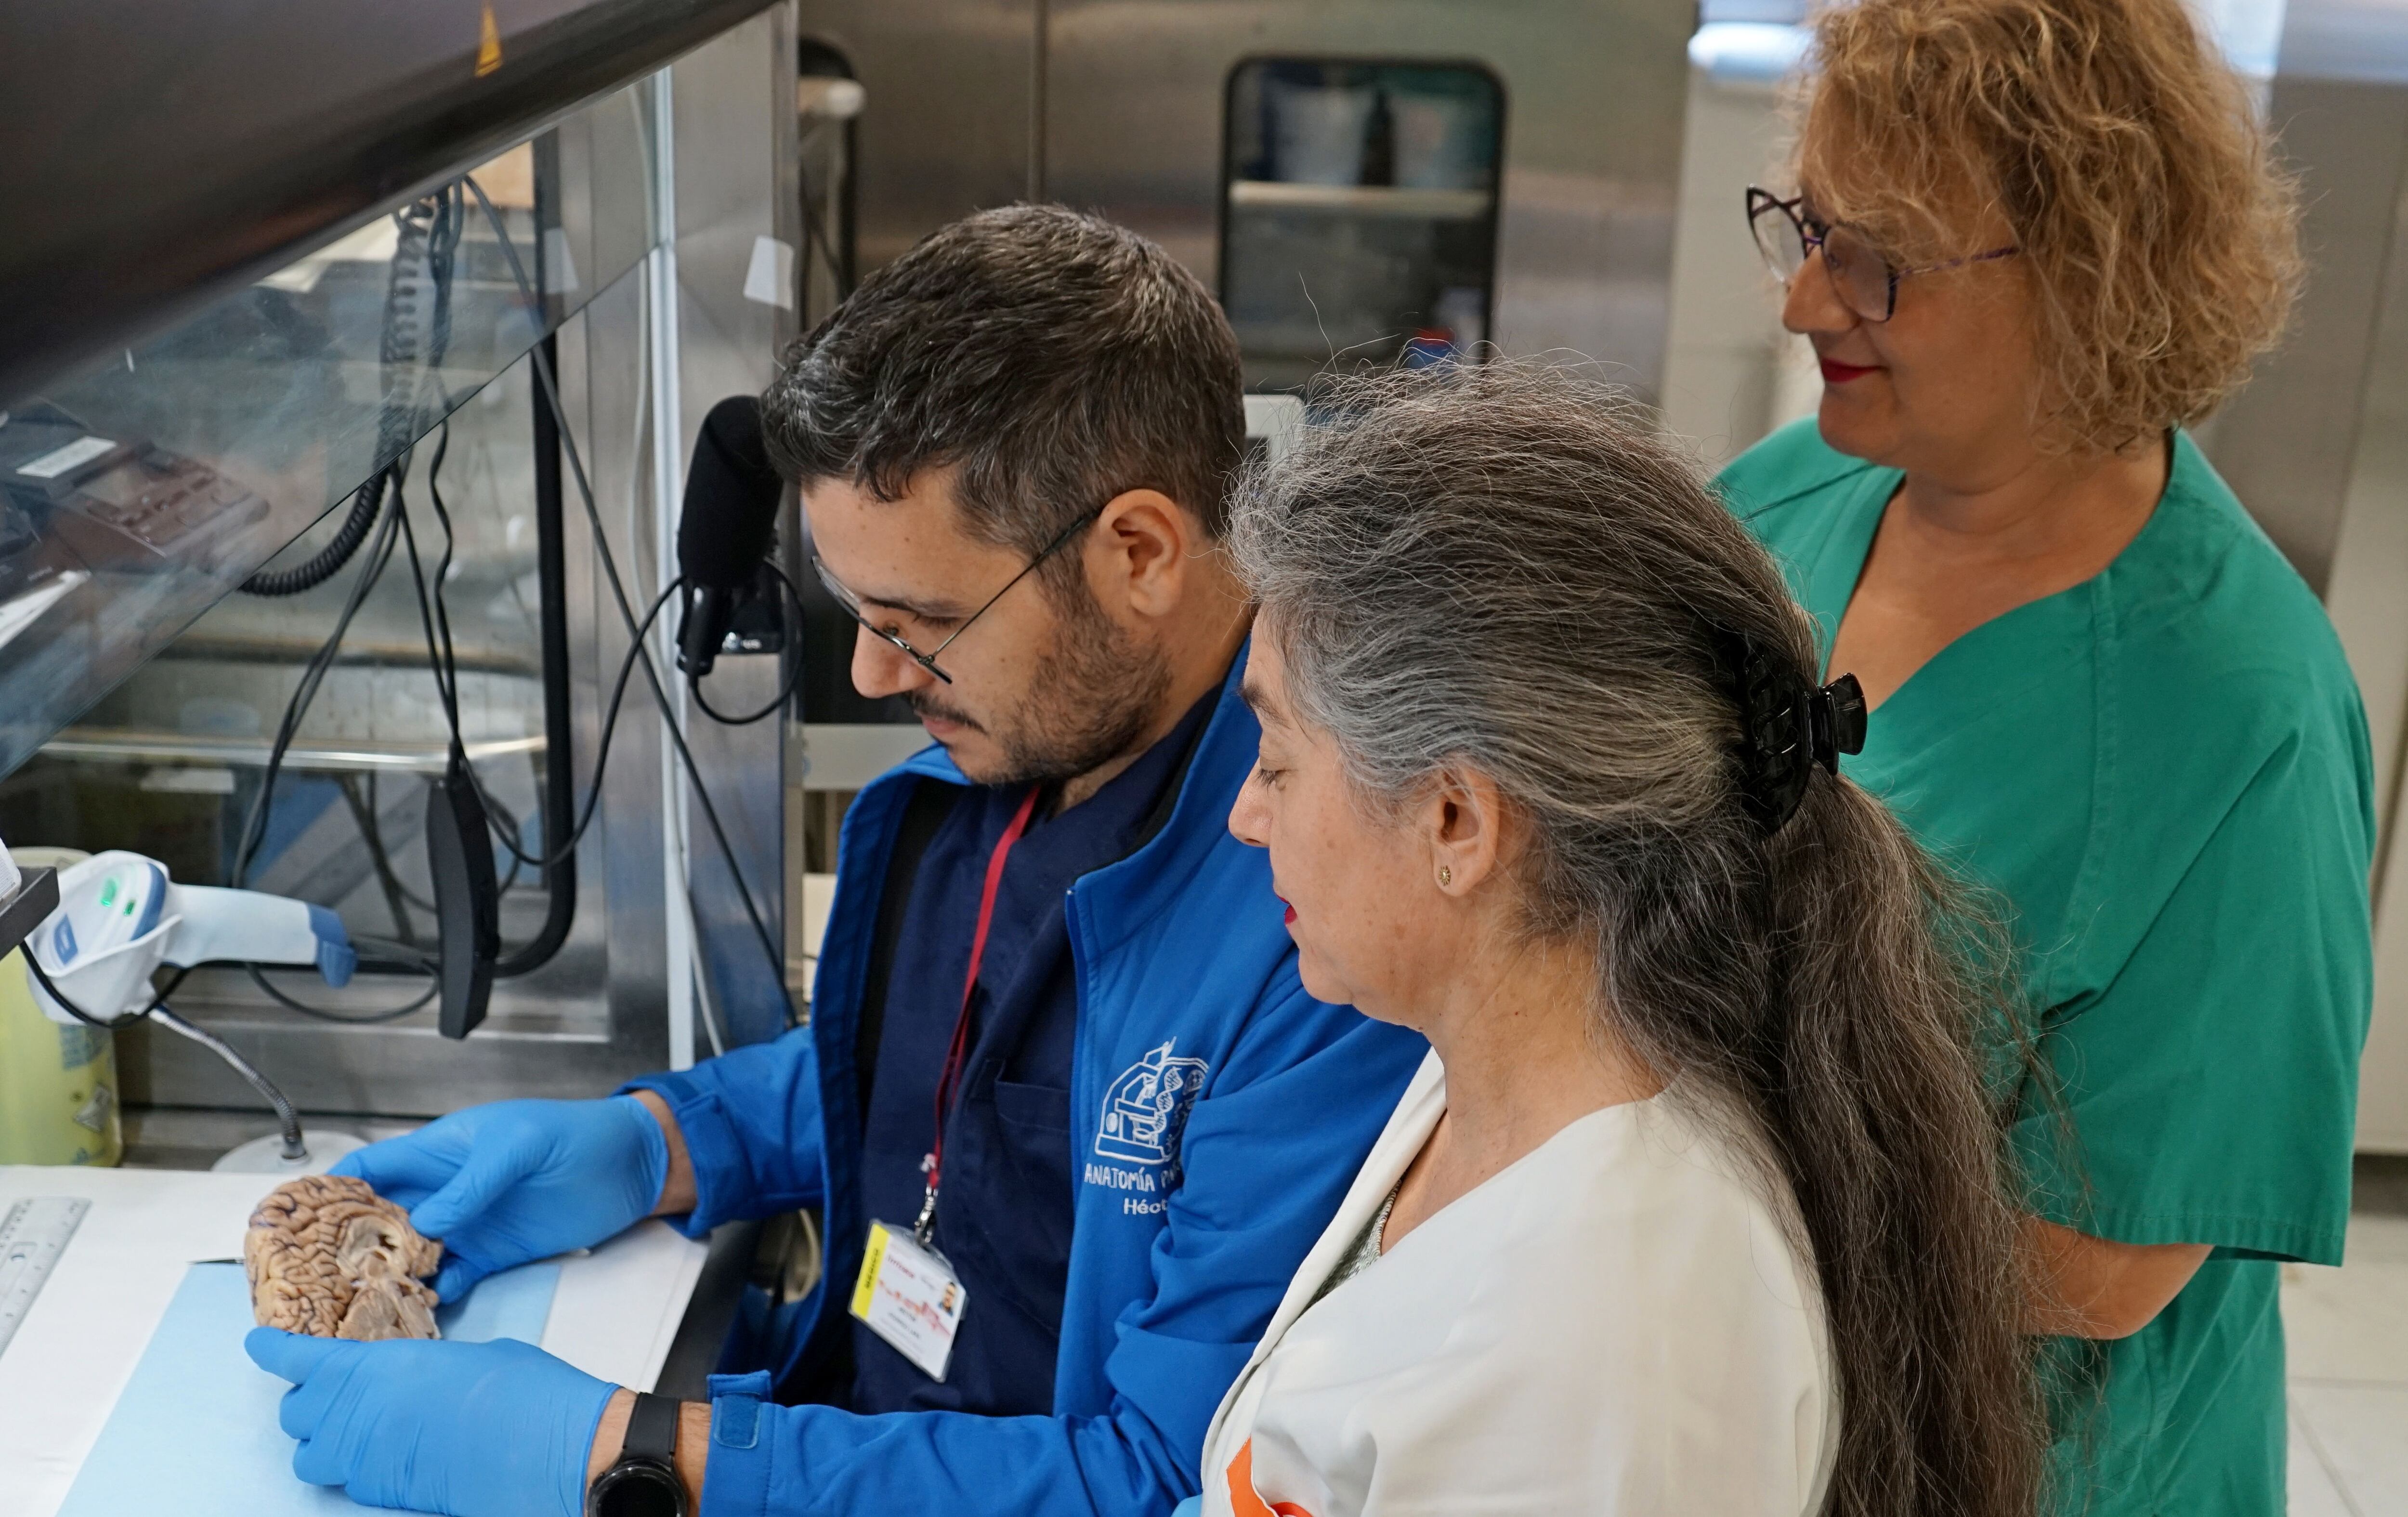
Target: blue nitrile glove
{"x":498,"y":1429}
{"x":520,"y":1180}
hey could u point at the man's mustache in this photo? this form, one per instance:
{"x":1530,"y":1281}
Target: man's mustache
{"x":925,"y":704}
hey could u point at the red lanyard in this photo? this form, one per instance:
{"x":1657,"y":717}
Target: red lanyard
{"x":949,"y":1082}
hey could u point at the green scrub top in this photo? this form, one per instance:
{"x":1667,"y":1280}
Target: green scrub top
{"x":2164,"y":772}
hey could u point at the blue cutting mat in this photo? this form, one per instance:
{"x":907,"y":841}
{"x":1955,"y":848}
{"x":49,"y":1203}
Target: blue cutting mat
{"x":194,"y":1435}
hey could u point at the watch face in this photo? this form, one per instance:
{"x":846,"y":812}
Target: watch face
{"x":636,"y":1487}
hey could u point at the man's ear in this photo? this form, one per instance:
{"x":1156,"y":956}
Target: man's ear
{"x":1137,"y":553}
{"x":1463,"y":814}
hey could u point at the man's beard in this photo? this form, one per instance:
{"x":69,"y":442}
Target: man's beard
{"x":1095,"y":694}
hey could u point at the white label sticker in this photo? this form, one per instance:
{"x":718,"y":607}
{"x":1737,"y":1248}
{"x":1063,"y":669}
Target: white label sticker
{"x":770,"y":276}
{"x":910,"y":1296}
{"x":51,"y":465}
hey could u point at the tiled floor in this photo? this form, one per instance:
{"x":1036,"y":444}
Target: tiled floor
{"x":2347,"y":1332}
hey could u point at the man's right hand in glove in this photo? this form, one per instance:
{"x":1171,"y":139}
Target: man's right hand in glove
{"x":520,"y":1180}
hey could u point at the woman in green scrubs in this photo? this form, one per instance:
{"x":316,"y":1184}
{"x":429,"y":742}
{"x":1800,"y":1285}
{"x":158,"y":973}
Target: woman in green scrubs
{"x":2031,"y":240}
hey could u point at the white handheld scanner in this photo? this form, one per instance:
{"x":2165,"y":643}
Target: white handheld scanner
{"x":120,"y":918}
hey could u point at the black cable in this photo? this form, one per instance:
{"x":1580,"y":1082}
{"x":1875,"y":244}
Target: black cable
{"x":112,"y":1024}
{"x":555,"y":773}
{"x":818,"y":235}
{"x":255,"y":826}
{"x":327,"y":561}
{"x":395,"y":526}
{"x":793,"y":670}
{"x":428,"y":229}
{"x":602,"y":759}
{"x":398,"y":518}
{"x":450,"y":674}
{"x":446,"y":661}
{"x":363,"y":1018}
{"x":374,"y":811}
{"x":443,"y":691}
{"x":494,"y":810}
{"x":288,"y":1120}
{"x":396,"y":532}
{"x":438,"y":658}
{"x":400,"y":958}
{"x":398,"y":896}
{"x":387,"y":954}
{"x":551,"y":387}
{"x":255,"y":823}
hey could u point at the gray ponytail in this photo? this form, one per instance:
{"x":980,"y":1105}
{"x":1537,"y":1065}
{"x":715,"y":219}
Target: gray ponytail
{"x":1497,"y":567}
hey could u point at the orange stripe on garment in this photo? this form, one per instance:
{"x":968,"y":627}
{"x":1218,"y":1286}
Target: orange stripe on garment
{"x":1245,"y":1500}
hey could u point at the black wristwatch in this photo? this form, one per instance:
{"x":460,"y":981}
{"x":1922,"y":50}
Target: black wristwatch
{"x":644,"y":1481}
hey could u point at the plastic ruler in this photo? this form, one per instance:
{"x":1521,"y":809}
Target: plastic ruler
{"x":31,"y":1236}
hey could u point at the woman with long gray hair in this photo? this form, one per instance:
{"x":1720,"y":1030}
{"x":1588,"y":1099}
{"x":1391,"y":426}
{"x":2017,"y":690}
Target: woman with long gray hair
{"x":1697,"y":1205}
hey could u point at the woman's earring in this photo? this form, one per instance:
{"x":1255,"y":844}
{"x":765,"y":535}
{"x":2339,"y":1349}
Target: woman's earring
{"x":1445,"y":876}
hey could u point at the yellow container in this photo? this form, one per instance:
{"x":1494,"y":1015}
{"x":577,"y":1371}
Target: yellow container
{"x":58,"y":1083}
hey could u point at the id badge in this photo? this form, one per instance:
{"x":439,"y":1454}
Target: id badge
{"x":910,"y":1296}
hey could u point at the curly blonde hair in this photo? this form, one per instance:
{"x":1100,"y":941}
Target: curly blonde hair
{"x":2159,"y":237}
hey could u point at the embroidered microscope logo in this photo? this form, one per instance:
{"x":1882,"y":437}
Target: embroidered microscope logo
{"x":1146,"y":1108}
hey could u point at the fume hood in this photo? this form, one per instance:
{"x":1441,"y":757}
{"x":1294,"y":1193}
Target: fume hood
{"x":322,"y":461}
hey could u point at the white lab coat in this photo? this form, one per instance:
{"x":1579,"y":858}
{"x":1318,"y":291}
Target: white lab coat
{"x":1615,"y":1323}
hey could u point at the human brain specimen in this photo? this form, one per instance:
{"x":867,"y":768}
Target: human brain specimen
{"x":327,"y":1256}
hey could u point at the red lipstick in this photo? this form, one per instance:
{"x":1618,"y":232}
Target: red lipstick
{"x":1291,"y":910}
{"x":1836,"y":372}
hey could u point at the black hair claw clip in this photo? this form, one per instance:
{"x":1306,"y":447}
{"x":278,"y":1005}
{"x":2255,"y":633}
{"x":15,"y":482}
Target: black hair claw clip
{"x":1836,"y":716}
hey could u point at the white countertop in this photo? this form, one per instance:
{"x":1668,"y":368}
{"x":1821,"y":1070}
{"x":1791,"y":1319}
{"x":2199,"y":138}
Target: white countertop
{"x":614,"y":1314}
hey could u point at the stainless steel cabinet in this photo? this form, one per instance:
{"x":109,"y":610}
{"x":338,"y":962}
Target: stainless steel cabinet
{"x":1119,"y":106}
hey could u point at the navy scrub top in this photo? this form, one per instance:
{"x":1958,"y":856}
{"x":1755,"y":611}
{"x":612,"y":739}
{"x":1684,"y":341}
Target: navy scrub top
{"x":1003,"y":1216}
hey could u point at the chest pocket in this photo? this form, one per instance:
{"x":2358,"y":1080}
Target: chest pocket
{"x":1034,"y":1108}
{"x":1028,"y":1163}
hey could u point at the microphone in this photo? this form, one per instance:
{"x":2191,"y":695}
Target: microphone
{"x":724,"y":530}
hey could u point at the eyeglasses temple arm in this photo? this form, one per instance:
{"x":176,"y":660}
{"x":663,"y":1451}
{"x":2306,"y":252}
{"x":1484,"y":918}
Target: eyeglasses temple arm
{"x":1049,"y":549}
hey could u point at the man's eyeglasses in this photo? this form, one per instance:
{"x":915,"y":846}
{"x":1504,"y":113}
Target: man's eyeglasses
{"x":1785,"y":233}
{"x":851,"y":602}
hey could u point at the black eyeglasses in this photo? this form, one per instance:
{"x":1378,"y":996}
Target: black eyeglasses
{"x":1866,"y":281}
{"x":851,"y":602}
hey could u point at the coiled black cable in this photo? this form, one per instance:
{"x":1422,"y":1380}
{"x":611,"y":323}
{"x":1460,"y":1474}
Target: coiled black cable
{"x":427,"y":238}
{"x":366,"y":502}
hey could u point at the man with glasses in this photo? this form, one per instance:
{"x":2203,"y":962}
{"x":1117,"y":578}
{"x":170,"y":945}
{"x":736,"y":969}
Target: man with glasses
{"x":1068,"y":1119}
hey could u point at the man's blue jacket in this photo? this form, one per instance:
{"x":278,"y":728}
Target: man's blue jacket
{"x":1217,"y":1115}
